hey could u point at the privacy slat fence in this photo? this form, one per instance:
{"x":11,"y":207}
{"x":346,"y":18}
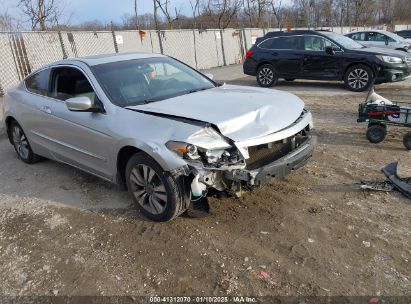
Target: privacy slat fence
{"x":23,"y":52}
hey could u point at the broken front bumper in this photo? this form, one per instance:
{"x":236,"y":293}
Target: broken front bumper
{"x":278,"y":168}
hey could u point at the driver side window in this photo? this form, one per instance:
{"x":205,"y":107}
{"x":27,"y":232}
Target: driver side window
{"x":69,"y":82}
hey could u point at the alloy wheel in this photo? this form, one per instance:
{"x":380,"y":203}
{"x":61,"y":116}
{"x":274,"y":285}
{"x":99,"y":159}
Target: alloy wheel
{"x":20,"y":142}
{"x":148,"y":189}
{"x":358,"y":78}
{"x":266,"y":76}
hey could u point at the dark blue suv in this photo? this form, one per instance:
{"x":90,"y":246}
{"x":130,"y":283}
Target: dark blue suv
{"x":323,"y":55}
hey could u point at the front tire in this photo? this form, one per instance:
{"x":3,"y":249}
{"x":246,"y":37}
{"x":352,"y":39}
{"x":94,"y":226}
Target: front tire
{"x":21,"y":144}
{"x":155,"y":192}
{"x":358,"y":78}
{"x":266,"y":76}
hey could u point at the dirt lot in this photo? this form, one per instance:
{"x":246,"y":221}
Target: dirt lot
{"x":313,"y":233}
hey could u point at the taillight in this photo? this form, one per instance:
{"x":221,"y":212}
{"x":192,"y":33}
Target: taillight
{"x":248,"y":54}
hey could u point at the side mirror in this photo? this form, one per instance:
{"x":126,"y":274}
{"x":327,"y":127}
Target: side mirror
{"x":211,"y":76}
{"x":329,"y":50}
{"x":81,"y":104}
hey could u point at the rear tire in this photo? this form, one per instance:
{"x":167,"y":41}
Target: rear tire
{"x":376,"y":133}
{"x":358,"y":78}
{"x":155,"y":192}
{"x":266,"y":76}
{"x":21,"y":144}
{"x":407,"y":141}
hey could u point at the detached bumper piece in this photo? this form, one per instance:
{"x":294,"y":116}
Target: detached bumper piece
{"x":403,"y":185}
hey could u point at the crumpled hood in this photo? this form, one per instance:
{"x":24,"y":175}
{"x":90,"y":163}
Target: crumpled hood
{"x":239,"y":112}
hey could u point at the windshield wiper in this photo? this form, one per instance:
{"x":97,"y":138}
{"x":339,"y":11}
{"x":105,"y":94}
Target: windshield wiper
{"x":197,"y":90}
{"x":146,"y":101}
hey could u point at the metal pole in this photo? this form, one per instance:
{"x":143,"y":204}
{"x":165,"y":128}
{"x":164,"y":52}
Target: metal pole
{"x":62,"y":45}
{"x":114,"y":37}
{"x":195,"y":48}
{"x":160,"y":41}
{"x":222,"y":47}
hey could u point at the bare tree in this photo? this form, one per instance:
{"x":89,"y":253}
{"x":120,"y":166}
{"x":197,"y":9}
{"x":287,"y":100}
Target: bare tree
{"x":164,"y":6}
{"x":42,"y":14}
{"x":277,"y":10}
{"x":195,"y":9}
{"x":222,"y":11}
{"x":136,"y":15}
{"x":8,"y":23}
{"x":255,"y":11}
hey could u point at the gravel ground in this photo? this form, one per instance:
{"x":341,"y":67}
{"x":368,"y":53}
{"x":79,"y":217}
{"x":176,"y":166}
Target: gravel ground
{"x":314,"y":232}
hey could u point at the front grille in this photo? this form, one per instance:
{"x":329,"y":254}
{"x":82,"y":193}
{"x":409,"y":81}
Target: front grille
{"x":408,"y":61}
{"x":262,"y":155}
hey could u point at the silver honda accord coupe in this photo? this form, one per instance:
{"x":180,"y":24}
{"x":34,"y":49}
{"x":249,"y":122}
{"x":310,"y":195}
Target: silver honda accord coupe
{"x":157,"y":127}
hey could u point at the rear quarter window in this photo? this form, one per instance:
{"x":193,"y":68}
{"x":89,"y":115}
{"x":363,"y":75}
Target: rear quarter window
{"x":38,"y":83}
{"x":281,"y":43}
{"x":267,"y":44}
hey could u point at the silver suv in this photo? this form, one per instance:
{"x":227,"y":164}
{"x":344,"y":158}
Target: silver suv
{"x":157,"y":127}
{"x":381,"y":39}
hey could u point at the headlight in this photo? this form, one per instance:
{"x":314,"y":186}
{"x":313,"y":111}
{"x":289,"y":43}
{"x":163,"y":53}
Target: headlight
{"x":184,"y":150}
{"x":213,"y":157}
{"x":389,"y":59}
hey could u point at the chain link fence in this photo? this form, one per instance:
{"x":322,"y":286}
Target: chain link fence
{"x":23,"y":52}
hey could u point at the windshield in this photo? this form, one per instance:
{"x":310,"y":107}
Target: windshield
{"x":140,"y":81}
{"x":344,"y":41}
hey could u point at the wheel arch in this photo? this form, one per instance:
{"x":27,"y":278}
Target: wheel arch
{"x":357,"y":63}
{"x":123,"y":156}
{"x":262,"y":63}
{"x":8,"y":122}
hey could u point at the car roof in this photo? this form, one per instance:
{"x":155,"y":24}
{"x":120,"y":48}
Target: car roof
{"x":108,"y":58}
{"x":296,"y":32}
{"x":363,"y":31}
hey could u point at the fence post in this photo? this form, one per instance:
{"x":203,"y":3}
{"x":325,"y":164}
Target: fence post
{"x":195,"y":49}
{"x":240,"y":32}
{"x":160,"y":42}
{"x":114,"y":41}
{"x":62,"y":45}
{"x":245,"y":40}
{"x":222,"y":47}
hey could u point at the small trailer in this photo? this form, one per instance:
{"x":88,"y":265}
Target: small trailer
{"x":380,"y":113}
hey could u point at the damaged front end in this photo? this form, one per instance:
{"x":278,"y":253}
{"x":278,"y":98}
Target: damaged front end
{"x":231,"y":166}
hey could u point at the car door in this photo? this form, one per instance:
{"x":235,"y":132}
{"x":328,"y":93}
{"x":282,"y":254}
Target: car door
{"x":32,"y":111}
{"x":317,"y":64}
{"x":285,"y":53}
{"x":81,"y":139}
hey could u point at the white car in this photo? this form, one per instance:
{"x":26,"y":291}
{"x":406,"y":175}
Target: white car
{"x":157,"y":127}
{"x":381,"y":39}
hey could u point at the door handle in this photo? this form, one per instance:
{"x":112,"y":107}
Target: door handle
{"x":46,"y":109}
